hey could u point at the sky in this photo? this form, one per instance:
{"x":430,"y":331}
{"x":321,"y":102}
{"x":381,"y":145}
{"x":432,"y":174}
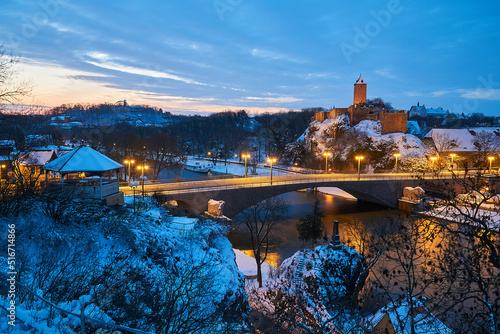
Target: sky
{"x":197,"y":56}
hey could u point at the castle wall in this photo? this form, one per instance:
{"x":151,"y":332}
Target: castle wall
{"x":335,"y":112}
{"x":358,"y":113}
{"x":319,"y":116}
{"x":394,"y":121}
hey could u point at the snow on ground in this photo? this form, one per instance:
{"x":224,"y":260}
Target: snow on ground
{"x":234,"y":167}
{"x":408,"y":144}
{"x":336,"y":192}
{"x":492,"y":218}
{"x":246,"y":264}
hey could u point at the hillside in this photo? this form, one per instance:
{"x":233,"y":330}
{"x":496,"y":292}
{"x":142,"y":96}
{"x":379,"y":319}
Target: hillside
{"x":120,"y":267}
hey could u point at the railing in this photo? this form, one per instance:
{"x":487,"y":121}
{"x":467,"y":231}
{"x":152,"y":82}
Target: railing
{"x":92,"y":190}
{"x":202,"y":186}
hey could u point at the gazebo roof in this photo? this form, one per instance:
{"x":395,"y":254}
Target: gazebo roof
{"x":82,"y":159}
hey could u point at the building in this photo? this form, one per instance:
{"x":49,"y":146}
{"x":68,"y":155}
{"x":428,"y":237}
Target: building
{"x":422,"y":111}
{"x":392,"y":120}
{"x":472,"y":146}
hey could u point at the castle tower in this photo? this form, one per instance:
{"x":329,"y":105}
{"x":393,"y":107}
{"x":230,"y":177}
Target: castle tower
{"x":360,"y":91}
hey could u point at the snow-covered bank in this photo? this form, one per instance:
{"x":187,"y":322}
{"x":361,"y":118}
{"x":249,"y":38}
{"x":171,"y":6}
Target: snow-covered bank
{"x":246,"y":264}
{"x":336,"y":192}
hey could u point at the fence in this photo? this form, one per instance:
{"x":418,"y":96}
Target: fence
{"x":83,"y":318}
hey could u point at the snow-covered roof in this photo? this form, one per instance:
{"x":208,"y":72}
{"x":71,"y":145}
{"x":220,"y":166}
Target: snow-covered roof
{"x":82,"y":159}
{"x":37,"y":158}
{"x":360,"y":81}
{"x":399,"y":314}
{"x":464,"y":137}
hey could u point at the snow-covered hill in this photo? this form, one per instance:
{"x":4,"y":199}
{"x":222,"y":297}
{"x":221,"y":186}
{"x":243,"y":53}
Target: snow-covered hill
{"x":129,"y":269}
{"x":338,"y":137}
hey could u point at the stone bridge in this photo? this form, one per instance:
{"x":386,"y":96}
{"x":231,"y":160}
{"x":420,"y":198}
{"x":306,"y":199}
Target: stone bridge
{"x":238,"y":196}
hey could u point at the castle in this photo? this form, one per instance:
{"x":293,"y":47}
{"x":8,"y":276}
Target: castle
{"x":392,"y":120}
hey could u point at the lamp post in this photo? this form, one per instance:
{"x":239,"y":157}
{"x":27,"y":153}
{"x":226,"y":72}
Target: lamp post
{"x":359,"y":158}
{"x":128,"y":162}
{"x":396,"y":155}
{"x":134,"y":185}
{"x":271,"y":160}
{"x":452,"y":156}
{"x":326,"y":155}
{"x":432,"y":164}
{"x":142,"y":168}
{"x":1,"y":166}
{"x":246,"y":156}
{"x":490,"y":159}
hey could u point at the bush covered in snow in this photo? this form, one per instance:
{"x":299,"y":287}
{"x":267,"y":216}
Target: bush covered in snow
{"x":129,"y":269}
{"x":316,"y":290}
{"x":345,"y":142}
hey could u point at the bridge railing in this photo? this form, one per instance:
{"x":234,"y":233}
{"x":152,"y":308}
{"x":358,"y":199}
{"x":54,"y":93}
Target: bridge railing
{"x":288,"y":181}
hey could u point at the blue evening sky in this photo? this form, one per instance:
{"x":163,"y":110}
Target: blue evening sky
{"x":212,"y":55}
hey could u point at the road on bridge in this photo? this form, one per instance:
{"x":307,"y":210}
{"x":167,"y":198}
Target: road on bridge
{"x":261,"y":181}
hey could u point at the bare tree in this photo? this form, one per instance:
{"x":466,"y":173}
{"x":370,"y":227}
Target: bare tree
{"x":443,"y":143}
{"x":261,"y":220}
{"x":10,"y":91}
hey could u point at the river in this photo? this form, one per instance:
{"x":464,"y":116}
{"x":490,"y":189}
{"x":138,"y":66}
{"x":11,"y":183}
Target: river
{"x":285,"y":241}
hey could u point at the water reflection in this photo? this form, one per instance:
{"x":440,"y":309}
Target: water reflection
{"x":285,"y":241}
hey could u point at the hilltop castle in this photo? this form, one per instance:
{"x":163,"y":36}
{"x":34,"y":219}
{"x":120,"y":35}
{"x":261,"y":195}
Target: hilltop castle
{"x":392,"y":120}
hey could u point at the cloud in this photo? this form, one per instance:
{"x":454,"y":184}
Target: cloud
{"x":412,"y":94}
{"x":281,"y":99}
{"x":266,"y":54}
{"x":480,"y":94}
{"x":141,"y":71}
{"x":441,"y":93}
{"x":386,"y":73}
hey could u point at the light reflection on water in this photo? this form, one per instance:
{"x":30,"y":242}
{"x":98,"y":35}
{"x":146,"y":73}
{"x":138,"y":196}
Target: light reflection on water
{"x":285,"y":241}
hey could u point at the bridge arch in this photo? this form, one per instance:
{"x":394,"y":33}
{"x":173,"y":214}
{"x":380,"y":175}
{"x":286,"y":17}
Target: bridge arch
{"x":382,"y":192}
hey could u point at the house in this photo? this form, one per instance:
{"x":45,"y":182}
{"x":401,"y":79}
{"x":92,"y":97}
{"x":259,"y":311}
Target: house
{"x":30,"y":164}
{"x":472,"y":146}
{"x":396,"y":318}
{"x":417,"y":111}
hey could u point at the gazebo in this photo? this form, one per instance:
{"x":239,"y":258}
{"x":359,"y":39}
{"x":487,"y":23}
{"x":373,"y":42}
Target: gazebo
{"x":84,"y":168}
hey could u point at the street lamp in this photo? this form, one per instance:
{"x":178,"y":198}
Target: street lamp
{"x":134,"y":185}
{"x":433,"y":159}
{"x":326,"y":155}
{"x":271,"y":160}
{"x":246,"y":156}
{"x":359,"y":158}
{"x":396,"y":155}
{"x":142,"y":168}
{"x":491,"y":159}
{"x":128,"y":162}
{"x":1,"y":166}
{"x":453,"y":155}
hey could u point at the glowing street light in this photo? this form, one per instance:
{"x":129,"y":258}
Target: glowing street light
{"x":326,"y":155}
{"x":396,"y":155}
{"x":271,"y":160}
{"x":1,"y":166}
{"x":359,"y":158}
{"x":134,"y":185}
{"x":142,"y":168}
{"x":433,"y":159}
{"x":128,"y":162}
{"x":491,"y":159}
{"x":246,"y":156}
{"x":453,"y":155}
